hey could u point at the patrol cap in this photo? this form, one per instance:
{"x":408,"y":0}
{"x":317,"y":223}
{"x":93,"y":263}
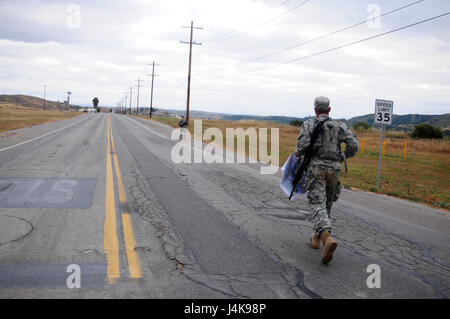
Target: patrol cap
{"x":321,"y":103}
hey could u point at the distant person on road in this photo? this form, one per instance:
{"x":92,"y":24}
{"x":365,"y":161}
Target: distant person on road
{"x":322,"y":177}
{"x":182,"y":124}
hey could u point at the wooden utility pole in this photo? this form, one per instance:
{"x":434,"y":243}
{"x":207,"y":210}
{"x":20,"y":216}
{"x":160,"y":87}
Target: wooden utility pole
{"x":137,"y":102}
{"x":189,"y":70}
{"x":124,"y":111}
{"x":45,"y":93}
{"x":151,"y":93}
{"x":131,"y":95}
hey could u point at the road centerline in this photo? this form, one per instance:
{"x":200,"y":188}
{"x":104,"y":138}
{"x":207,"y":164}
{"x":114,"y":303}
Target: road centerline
{"x":130,"y":242}
{"x":111,"y":241}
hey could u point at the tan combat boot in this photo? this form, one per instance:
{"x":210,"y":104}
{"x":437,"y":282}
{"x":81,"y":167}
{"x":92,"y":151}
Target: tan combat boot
{"x":329,"y":246}
{"x":315,"y":241}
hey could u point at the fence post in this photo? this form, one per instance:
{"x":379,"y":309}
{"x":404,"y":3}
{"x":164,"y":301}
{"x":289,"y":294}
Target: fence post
{"x":404,"y":150}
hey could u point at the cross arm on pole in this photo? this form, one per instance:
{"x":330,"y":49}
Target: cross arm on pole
{"x":196,"y":43}
{"x":189,"y":27}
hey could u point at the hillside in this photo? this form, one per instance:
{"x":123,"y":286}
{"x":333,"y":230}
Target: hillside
{"x":400,"y":122}
{"x":277,"y":119}
{"x":408,"y":119}
{"x":32,"y":101}
{"x":406,"y":122}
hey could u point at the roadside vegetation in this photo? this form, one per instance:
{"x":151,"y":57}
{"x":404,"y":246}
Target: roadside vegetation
{"x":427,"y":131}
{"x":420,"y":174}
{"x":14,"y":117}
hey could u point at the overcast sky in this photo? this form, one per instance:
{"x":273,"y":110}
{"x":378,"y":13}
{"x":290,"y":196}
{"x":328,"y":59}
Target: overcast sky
{"x":100,"y":48}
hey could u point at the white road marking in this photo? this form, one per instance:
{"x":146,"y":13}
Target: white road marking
{"x":33,"y":139}
{"x":148,"y":128}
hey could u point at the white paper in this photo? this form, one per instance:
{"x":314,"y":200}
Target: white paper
{"x":288,"y":176}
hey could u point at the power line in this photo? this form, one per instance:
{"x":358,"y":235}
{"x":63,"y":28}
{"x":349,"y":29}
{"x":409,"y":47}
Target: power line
{"x":226,"y":34}
{"x":348,"y":44}
{"x":261,"y":24}
{"x":178,"y":86}
{"x":272,"y":19}
{"x":328,"y":34}
{"x":179,"y":59}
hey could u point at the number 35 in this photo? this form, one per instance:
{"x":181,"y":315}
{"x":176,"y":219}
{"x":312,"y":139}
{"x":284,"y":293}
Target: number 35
{"x":386,"y":117}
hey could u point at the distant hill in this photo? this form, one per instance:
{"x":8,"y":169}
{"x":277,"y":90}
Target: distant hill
{"x":277,"y":119}
{"x":235,"y":117}
{"x":406,"y":122}
{"x":32,"y":101}
{"x":399,"y":122}
{"x":196,"y":114}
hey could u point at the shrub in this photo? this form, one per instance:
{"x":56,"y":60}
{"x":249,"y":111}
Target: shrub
{"x":296,"y":123}
{"x":361,"y":126}
{"x":426,"y":131}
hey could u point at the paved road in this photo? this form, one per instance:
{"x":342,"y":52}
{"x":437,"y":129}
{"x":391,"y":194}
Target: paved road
{"x":101,"y":191}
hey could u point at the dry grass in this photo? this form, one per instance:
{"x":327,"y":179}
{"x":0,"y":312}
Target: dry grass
{"x":423,"y":176}
{"x":14,"y":117}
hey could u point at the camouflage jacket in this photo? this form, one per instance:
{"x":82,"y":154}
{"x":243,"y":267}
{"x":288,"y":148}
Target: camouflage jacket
{"x":182,"y":123}
{"x":345,"y":135}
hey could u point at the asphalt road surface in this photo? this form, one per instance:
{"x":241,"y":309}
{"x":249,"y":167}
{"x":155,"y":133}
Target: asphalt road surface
{"x":99,"y":195}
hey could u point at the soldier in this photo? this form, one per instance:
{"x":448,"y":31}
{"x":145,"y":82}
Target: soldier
{"x":323,"y":186}
{"x":182,"y":124}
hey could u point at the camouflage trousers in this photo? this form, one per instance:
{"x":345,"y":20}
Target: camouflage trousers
{"x":323,"y":188}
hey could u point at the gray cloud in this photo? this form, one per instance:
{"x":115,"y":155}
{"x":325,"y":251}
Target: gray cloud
{"x":117,"y":39}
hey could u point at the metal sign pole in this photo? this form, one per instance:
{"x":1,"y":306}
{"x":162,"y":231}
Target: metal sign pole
{"x":379,"y":156}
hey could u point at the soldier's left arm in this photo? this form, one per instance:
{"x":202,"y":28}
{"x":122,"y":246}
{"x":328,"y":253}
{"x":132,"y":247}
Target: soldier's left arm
{"x":350,"y":140}
{"x":304,"y":138}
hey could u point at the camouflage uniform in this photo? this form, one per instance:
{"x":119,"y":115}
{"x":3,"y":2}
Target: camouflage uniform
{"x":183,"y":124}
{"x":323,"y":186}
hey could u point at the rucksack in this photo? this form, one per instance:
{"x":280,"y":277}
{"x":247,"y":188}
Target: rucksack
{"x":328,"y":144}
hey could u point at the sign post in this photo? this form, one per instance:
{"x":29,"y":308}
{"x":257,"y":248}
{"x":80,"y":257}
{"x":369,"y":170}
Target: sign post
{"x":383,"y":116}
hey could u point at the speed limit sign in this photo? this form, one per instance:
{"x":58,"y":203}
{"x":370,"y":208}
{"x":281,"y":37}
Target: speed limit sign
{"x":383,"y":116}
{"x":383,"y":112}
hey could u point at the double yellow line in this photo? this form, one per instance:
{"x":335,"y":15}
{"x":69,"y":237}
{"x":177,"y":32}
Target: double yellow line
{"x":111,"y":241}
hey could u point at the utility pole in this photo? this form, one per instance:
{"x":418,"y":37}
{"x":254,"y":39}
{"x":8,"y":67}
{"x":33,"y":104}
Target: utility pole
{"x":68,"y":100}
{"x":189,"y":70}
{"x":151,"y":92}
{"x":137,"y":102}
{"x":45,"y":93}
{"x":131,"y":95}
{"x":124,"y":111}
